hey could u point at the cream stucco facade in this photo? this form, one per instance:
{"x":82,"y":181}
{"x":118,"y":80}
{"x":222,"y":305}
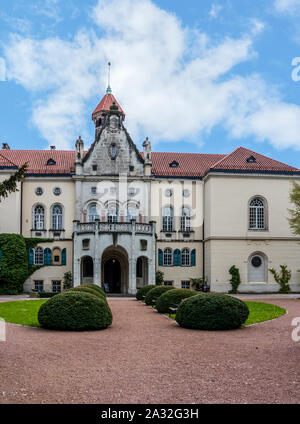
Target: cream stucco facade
{"x":113,"y":216}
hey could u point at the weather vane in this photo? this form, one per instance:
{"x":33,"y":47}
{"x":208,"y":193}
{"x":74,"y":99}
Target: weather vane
{"x":108,"y":90}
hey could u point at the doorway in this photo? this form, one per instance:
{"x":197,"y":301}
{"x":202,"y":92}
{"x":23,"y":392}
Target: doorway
{"x":112,"y":275}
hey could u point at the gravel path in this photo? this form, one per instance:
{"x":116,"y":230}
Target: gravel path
{"x":145,"y":357}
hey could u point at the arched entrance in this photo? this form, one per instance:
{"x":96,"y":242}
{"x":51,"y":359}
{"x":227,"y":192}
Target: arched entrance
{"x":115,"y":269}
{"x":87,"y":270}
{"x":257,"y":268}
{"x":141,"y":271}
{"x":112,"y":275}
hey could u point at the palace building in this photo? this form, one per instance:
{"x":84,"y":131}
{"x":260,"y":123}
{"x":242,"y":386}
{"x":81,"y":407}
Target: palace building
{"x":115,"y":215}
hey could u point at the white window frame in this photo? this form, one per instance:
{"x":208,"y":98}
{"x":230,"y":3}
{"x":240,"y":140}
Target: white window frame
{"x":257,"y":214}
{"x":39,"y":217}
{"x":57,"y":218}
{"x":185,"y":257}
{"x":39,"y":256}
{"x":167,"y":257}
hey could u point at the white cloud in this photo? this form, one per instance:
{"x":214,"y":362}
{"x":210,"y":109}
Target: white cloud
{"x":2,"y":69}
{"x":287,"y":6}
{"x":174,"y":83}
{"x":215,"y":10}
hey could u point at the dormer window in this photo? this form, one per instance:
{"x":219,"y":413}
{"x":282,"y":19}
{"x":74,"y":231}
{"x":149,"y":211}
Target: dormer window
{"x":174,"y":164}
{"x":251,"y":159}
{"x":51,"y":162}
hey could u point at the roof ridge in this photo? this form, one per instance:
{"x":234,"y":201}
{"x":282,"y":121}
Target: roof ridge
{"x":225,"y":157}
{"x":8,"y":160}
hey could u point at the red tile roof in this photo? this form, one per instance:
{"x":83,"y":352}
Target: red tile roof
{"x":106,"y":103}
{"x":37,"y":160}
{"x":189,"y":164}
{"x":6,"y":163}
{"x":237,"y":160}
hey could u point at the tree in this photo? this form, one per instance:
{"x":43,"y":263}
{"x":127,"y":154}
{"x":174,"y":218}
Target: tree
{"x":294,"y":219}
{"x":159,"y":278}
{"x":197,"y":283}
{"x":235,"y":280}
{"x":68,"y":280}
{"x":10,"y":185}
{"x":282,"y":278}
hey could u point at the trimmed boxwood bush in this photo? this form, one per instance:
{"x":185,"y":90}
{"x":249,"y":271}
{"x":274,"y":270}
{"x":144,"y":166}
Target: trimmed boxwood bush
{"x":75,"y":311}
{"x":95,"y":287}
{"x":153,"y":294}
{"x":212,"y":311}
{"x":87,"y":290}
{"x":43,"y":295}
{"x":143,"y":291}
{"x":172,"y":298}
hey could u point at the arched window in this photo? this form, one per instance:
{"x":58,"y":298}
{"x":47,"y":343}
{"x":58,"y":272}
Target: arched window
{"x":57,"y":214}
{"x":39,"y":218}
{"x":185,"y":219}
{"x":56,"y":255}
{"x":185,"y":257}
{"x":168,"y":219}
{"x":257,"y":214}
{"x":39,"y":256}
{"x":168,"y":257}
{"x":131,"y":213}
{"x":93,"y":213}
{"x":112,"y":213}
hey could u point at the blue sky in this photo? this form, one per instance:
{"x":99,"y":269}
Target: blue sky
{"x":194,"y":76}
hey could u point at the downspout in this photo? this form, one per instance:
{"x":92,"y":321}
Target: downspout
{"x":21,"y":211}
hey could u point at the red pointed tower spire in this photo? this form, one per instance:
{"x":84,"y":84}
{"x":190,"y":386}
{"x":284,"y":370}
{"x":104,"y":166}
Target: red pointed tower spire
{"x":107,"y":101}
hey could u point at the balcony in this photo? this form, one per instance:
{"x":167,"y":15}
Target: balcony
{"x":114,"y":227}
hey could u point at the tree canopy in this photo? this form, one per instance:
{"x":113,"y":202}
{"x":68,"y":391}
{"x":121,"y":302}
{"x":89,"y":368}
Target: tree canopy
{"x":10,"y":184}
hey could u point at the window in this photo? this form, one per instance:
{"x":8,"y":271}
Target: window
{"x":39,"y":256}
{"x":174,"y":164}
{"x":86,"y":243}
{"x":251,"y":159}
{"x":39,"y":285}
{"x":168,"y":283}
{"x":56,"y":255}
{"x":51,"y":162}
{"x":131,"y":213}
{"x":56,"y":286}
{"x":185,"y":220}
{"x":113,"y":152}
{"x":94,"y":167}
{"x":185,"y":284}
{"x":168,"y":192}
{"x":57,"y":214}
{"x":57,"y":191}
{"x":93,"y":213}
{"x":168,"y":219}
{"x":39,"y":191}
{"x":39,"y":218}
{"x":185,"y":192}
{"x":185,"y":257}
{"x":112,"y":213}
{"x":94,"y":190}
{"x":168,"y":257}
{"x":257,"y":214}
{"x":143,"y":244}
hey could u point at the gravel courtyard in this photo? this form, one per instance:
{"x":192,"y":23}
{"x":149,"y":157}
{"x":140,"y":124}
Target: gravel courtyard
{"x":146,"y":358}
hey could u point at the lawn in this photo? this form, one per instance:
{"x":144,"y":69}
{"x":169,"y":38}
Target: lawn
{"x":21,"y":312}
{"x":259,"y":312}
{"x":25,"y":312}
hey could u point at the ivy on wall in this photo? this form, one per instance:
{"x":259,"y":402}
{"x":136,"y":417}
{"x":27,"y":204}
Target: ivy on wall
{"x":14,"y":265}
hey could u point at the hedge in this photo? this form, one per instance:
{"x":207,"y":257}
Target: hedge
{"x":87,"y":290}
{"x":95,"y":287}
{"x":172,"y":298}
{"x":154,"y":294}
{"x":75,"y":311}
{"x":14,"y":267}
{"x":141,"y":293}
{"x":212,"y":311}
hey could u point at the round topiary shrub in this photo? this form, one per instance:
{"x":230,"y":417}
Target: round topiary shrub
{"x":212,"y":311}
{"x":75,"y":311}
{"x":143,"y":291}
{"x":87,"y":290}
{"x":172,"y":298}
{"x":153,"y":294}
{"x":95,"y":287}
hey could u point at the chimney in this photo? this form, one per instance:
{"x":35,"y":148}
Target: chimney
{"x":5,"y":146}
{"x":52,"y":147}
